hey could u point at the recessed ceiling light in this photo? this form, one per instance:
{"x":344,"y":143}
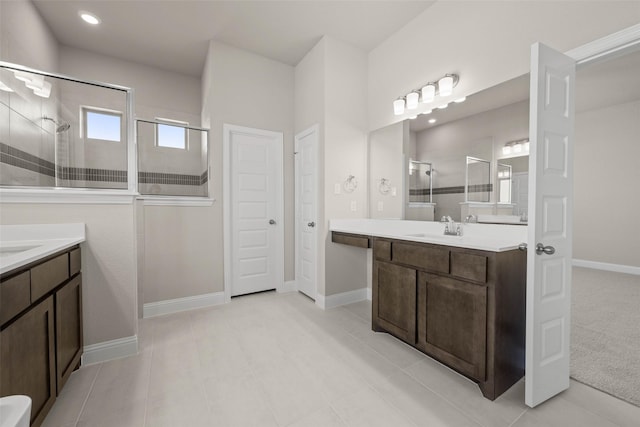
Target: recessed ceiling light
{"x":432,"y":121}
{"x":89,"y":18}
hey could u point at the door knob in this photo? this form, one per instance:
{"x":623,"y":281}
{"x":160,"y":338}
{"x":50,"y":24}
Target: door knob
{"x":522,"y":246}
{"x":549,"y":250}
{"x":272,"y":221}
{"x":311,"y":224}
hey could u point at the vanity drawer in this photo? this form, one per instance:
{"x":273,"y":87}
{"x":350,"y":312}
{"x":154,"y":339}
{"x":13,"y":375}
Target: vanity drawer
{"x":48,"y":275}
{"x":382,"y":250}
{"x":15,"y":296}
{"x":469,"y":266}
{"x":74,"y":262}
{"x":424,"y":257}
{"x":351,"y":239}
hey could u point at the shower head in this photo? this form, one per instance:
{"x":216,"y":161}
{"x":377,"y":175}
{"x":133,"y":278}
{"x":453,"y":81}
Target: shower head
{"x":60,"y":126}
{"x":428,"y":173}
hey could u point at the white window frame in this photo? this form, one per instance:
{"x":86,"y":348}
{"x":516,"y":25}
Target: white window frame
{"x":172,"y":122}
{"x":84,"y":109}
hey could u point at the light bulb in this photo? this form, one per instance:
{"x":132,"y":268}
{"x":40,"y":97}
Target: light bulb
{"x":398,"y":107}
{"x":428,"y":93}
{"x":526,"y":146}
{"x":443,"y":106}
{"x":445,"y":85}
{"x":459,"y":100}
{"x":506,"y":150}
{"x":412,"y":100}
{"x":427,"y":112}
{"x":517,"y":148}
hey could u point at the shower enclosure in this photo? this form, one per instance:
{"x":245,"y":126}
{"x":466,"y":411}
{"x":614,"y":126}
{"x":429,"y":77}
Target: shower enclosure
{"x":59,"y":131}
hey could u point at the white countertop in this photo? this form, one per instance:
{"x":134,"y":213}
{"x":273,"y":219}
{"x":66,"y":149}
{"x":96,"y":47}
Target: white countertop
{"x":486,"y":237}
{"x":23,"y":244}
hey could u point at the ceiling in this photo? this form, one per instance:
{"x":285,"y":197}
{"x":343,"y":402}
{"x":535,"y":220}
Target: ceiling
{"x":174,"y":34}
{"x":613,"y":81}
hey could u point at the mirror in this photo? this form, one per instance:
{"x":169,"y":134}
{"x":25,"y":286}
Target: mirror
{"x":420,"y":182}
{"x":518,"y":182}
{"x":478,"y":128}
{"x":478,"y":180}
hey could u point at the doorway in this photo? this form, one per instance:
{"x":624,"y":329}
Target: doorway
{"x":253,"y":210}
{"x":306,"y":152}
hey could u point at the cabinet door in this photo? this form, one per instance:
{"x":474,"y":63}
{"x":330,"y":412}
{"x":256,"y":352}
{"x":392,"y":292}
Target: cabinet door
{"x":452,"y":323}
{"x":68,"y":329}
{"x":28,"y":359}
{"x":394,"y":300}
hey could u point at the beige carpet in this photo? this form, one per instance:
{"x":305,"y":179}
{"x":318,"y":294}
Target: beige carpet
{"x":605,"y":332}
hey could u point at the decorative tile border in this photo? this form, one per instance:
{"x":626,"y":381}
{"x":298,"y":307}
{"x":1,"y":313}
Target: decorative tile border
{"x":21,"y":159}
{"x":480,"y":188}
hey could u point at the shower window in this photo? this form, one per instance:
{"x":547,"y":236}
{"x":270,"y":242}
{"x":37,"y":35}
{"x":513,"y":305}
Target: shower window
{"x":172,"y":163}
{"x":50,"y":138}
{"x":172,"y":134}
{"x":102,"y":125}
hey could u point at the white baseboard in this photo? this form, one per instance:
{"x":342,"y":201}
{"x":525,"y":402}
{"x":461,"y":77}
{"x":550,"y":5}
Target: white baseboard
{"x":369,"y":294}
{"x":109,"y":350}
{"x":161,"y":308}
{"x":344,"y":298}
{"x":618,"y":268}
{"x":289,"y":286}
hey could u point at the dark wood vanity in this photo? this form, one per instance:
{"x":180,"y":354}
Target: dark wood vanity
{"x":463,"y":307}
{"x":41,"y":329}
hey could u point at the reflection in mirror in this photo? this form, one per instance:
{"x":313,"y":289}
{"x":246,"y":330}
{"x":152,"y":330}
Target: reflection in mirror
{"x":519,"y":183}
{"x":478,"y":180}
{"x":420,"y":182}
{"x":504,"y":183}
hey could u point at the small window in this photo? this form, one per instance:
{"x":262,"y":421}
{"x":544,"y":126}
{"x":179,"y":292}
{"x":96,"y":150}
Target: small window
{"x":170,"y":135}
{"x":102,"y":125}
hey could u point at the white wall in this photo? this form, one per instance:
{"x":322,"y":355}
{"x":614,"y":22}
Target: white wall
{"x":485,"y":42}
{"x":345,"y":154}
{"x":606,"y":175}
{"x":248,"y":90}
{"x":386,"y":160}
{"x":25,"y":38}
{"x":331,"y":91}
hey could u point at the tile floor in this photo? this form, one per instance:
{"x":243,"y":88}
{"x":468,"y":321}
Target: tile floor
{"x":277,"y":360}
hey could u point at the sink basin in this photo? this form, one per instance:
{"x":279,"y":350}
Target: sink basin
{"x":15,"y":249}
{"x":432,"y":236}
{"x":15,"y":411}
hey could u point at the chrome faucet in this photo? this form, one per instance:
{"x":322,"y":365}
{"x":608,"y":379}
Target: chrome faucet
{"x":471,"y":218}
{"x":450,"y":228}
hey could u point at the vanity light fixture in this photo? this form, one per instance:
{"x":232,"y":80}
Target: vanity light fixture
{"x":517,"y":146}
{"x":398,"y":106}
{"x":427,"y":93}
{"x":89,"y":18}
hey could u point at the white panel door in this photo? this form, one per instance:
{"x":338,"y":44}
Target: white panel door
{"x":256,"y":210}
{"x":306,"y":144}
{"x":551,"y":129}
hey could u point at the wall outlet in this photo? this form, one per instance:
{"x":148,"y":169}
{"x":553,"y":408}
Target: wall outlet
{"x":394,"y":191}
{"x":354,"y":206}
{"x":337,"y":189}
{"x":380,"y":206}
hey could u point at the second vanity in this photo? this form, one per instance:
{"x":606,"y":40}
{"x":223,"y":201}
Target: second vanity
{"x":458,"y":299}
